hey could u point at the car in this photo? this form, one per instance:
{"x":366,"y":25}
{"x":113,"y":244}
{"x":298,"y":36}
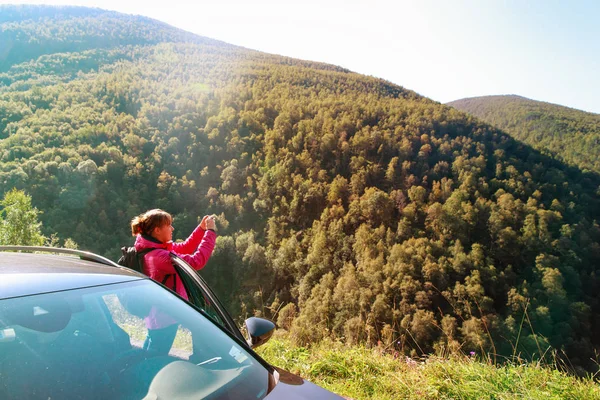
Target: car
{"x":72,"y":326}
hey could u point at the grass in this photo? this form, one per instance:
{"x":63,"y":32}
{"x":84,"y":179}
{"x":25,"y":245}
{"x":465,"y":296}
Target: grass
{"x":362,"y":373}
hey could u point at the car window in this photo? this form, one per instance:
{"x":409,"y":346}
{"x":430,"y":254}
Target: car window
{"x":90,"y":343}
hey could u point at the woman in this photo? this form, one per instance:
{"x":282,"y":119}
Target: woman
{"x":154,"y":230}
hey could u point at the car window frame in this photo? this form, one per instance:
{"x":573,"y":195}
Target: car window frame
{"x":183,"y":268}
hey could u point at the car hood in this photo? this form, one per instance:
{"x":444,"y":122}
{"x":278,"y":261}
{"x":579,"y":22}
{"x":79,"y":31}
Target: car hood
{"x":293,"y":387}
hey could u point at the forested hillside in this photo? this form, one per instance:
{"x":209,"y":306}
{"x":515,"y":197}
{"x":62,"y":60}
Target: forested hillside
{"x":348,"y":206}
{"x":564,"y":133}
{"x":30,"y":31}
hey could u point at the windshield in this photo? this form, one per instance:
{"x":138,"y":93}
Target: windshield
{"x":131,"y":340}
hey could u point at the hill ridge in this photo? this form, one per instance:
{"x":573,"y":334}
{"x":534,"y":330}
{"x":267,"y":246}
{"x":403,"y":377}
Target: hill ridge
{"x":514,"y":97}
{"x":566,"y":133}
{"x":68,"y":29}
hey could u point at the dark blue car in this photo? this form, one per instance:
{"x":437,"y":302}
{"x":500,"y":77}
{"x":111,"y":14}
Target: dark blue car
{"x":72,"y":327}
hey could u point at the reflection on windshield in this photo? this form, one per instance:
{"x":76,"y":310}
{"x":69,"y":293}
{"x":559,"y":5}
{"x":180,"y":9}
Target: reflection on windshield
{"x":92,"y":343}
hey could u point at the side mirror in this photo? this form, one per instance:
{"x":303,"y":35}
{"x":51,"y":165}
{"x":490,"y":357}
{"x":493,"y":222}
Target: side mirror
{"x":260,"y":331}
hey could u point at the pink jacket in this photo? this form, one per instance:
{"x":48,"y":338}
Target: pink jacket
{"x":196,"y":250}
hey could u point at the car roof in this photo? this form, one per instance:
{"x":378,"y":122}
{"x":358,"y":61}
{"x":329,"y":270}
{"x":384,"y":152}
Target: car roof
{"x":25,"y":274}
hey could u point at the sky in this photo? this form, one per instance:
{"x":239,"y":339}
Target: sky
{"x":545,"y":50}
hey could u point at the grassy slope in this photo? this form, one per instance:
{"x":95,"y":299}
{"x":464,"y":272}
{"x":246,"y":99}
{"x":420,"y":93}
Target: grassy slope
{"x":362,"y":373}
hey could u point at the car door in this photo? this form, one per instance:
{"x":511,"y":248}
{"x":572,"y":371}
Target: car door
{"x":200,"y":295}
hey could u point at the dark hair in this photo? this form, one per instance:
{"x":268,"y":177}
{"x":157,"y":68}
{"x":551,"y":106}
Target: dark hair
{"x":145,"y":223}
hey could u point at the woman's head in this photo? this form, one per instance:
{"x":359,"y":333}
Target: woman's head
{"x":155,"y":223}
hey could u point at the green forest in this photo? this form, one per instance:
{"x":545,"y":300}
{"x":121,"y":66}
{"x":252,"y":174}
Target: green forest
{"x":348,"y":207}
{"x":570,"y":135}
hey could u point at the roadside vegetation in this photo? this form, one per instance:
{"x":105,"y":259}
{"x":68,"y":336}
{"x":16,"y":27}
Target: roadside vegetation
{"x":375,"y":373}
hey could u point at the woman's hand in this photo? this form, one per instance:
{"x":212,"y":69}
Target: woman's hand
{"x":210,"y":223}
{"x":203,"y":223}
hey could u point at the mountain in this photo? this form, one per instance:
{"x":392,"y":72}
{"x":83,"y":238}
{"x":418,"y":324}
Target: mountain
{"x":347,"y":206}
{"x":565,"y":133}
{"x":31,"y":31}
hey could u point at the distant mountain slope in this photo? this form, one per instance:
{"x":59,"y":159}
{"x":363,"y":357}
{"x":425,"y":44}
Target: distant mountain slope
{"x":347,"y":206}
{"x":27,"y":32}
{"x":568,"y":134}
